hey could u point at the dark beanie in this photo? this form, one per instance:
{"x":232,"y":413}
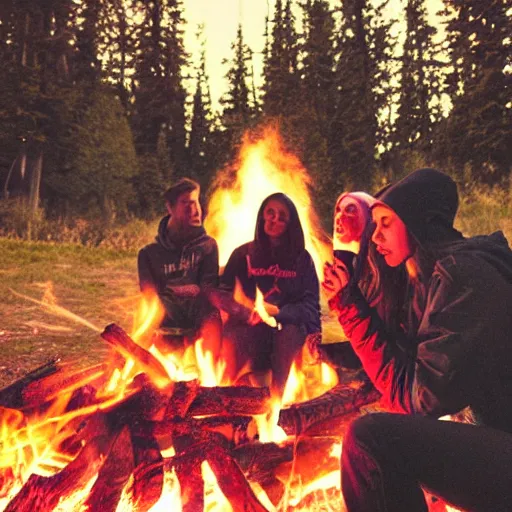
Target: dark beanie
{"x":426,"y":200}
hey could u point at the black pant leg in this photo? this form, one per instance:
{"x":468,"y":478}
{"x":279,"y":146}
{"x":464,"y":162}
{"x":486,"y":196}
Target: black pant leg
{"x":387,"y":458}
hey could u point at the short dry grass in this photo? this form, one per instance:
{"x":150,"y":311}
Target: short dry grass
{"x":96,"y":284}
{"x":484,"y":210}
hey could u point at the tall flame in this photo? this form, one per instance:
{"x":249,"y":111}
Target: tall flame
{"x":263,"y":167}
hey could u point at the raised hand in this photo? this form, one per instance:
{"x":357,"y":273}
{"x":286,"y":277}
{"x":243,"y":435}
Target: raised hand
{"x":336,"y":277}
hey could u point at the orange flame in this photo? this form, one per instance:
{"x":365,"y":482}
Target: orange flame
{"x":263,"y":167}
{"x":149,"y":315}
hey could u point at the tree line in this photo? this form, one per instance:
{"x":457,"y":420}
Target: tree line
{"x":93,"y":98}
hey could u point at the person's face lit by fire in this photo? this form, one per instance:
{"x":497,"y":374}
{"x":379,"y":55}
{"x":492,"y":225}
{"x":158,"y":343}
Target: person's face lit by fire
{"x":349,"y":220}
{"x":390,"y":236}
{"x":276,"y":217}
{"x":186,"y":212}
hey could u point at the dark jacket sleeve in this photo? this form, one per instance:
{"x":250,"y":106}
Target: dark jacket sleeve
{"x":436,"y":377}
{"x":146,"y":278}
{"x":234,"y":268}
{"x":209,"y":274}
{"x":306,"y":307}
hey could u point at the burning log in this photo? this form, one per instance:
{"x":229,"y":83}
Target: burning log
{"x":235,"y":429}
{"x":270,"y":464}
{"x":183,"y":395}
{"x":113,"y":475}
{"x":232,"y":481}
{"x":46,"y":388}
{"x":12,"y":396}
{"x":339,"y":401}
{"x":188,"y":467}
{"x":121,"y":342}
{"x":311,"y":500}
{"x":43,"y":493}
{"x":259,"y":460}
{"x":243,"y":400}
{"x":148,"y":476}
{"x":313,"y":457}
{"x":230,"y":477}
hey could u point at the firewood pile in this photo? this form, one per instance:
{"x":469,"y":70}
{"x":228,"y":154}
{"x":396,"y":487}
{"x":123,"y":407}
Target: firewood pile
{"x":129,"y":445}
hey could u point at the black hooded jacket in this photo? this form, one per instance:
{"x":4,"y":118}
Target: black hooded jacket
{"x":168,"y":262}
{"x":460,"y":352}
{"x":285,"y":275}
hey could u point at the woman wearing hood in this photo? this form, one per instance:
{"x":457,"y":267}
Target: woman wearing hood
{"x":452,"y":353}
{"x":277,"y":264}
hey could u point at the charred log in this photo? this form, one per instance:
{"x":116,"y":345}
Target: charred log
{"x":243,"y":400}
{"x":12,"y":395}
{"x":183,"y":396}
{"x":339,"y":401}
{"x":113,"y":475}
{"x":148,"y":476}
{"x":232,"y":481}
{"x":43,"y":493}
{"x":188,"y":466}
{"x":46,"y":389}
{"x":260,"y":460}
{"x":122,"y":343}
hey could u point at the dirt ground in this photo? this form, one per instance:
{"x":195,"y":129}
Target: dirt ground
{"x":98,"y":287}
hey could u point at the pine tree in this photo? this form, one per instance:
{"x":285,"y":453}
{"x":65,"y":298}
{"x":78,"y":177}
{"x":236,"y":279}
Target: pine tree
{"x":159,"y":92}
{"x":238,"y":110}
{"x":120,"y":45}
{"x":103,"y":162}
{"x":478,"y":132}
{"x":362,"y":82}
{"x":200,"y":147}
{"x":419,"y":107}
{"x":281,"y":75}
{"x":88,"y":35}
{"x":313,"y":114}
{"x":37,"y":92}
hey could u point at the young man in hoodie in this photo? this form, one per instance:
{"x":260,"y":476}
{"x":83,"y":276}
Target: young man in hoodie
{"x":182,"y":265}
{"x":453,"y":353}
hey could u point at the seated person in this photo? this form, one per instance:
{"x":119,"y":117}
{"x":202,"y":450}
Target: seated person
{"x":182,"y":265}
{"x":277,"y":263}
{"x":452,"y":353}
{"x":353,"y":228}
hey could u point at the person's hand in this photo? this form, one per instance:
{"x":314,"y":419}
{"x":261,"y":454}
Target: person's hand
{"x":254,"y":318}
{"x":336,"y":277}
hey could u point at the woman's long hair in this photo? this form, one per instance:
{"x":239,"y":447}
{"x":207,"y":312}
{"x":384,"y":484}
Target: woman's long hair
{"x":384,"y":287}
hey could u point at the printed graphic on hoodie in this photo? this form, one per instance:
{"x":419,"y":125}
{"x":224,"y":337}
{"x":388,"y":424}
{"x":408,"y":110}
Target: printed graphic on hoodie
{"x":182,"y":268}
{"x":273,"y":270}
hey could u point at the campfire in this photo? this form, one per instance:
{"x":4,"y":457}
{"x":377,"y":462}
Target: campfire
{"x":150,"y":429}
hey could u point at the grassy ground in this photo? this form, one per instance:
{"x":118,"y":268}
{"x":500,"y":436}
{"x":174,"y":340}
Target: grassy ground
{"x":100,"y":285}
{"x":97,"y":284}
